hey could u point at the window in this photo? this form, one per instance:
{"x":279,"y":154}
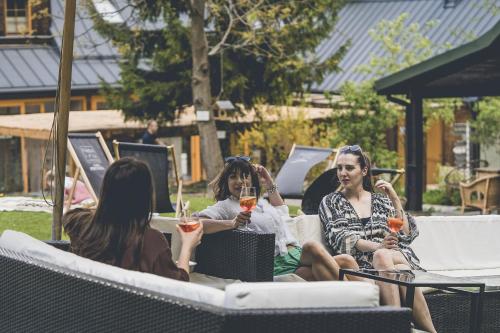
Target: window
{"x":16,"y":18}
{"x":32,"y":108}
{"x":8,"y":110}
{"x":76,"y":105}
{"x":49,"y":106}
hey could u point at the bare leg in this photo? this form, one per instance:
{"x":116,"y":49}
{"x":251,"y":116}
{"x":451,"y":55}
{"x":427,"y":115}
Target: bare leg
{"x":324,"y":267}
{"x":305,"y":272}
{"x":348,"y":262}
{"x":391,"y":295}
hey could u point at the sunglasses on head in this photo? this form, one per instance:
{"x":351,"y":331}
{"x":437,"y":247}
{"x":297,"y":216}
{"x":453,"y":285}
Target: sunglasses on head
{"x":350,"y":149}
{"x":231,"y":159}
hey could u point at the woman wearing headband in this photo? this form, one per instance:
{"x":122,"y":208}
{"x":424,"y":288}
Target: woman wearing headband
{"x":355,"y":222}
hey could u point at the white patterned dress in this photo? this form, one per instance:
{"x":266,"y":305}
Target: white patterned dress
{"x":343,"y":227}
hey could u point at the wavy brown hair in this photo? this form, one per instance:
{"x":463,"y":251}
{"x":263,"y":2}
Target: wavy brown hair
{"x":241,"y":167}
{"x":122,"y":216}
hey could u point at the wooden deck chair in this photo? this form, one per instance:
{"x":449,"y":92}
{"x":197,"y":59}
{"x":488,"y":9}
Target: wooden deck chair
{"x":92,"y":158}
{"x":290,"y":178}
{"x":482,"y":193}
{"x":156,"y":156}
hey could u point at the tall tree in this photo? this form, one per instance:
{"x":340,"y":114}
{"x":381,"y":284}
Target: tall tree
{"x":175,"y":53}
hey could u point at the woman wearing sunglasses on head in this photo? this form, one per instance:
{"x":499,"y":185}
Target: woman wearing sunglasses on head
{"x":311,"y":261}
{"x":355,"y":220}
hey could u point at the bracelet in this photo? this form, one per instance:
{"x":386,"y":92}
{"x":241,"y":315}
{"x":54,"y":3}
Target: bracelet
{"x":272,"y":189}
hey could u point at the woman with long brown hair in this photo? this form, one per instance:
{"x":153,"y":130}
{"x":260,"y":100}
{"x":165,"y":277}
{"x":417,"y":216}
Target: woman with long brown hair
{"x":119,"y":231}
{"x":355,"y":221}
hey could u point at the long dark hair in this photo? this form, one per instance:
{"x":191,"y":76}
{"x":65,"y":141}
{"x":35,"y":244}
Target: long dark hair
{"x":122,"y":216}
{"x":364,"y":162}
{"x":237,"y":166}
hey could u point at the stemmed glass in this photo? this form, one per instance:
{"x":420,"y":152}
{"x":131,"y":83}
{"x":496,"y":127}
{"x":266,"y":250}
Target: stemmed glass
{"x":395,"y":223}
{"x":248,"y":201}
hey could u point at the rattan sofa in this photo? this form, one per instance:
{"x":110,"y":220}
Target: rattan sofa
{"x":41,"y":296}
{"x":462,"y":246}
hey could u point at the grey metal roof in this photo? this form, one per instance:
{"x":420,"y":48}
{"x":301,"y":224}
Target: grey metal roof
{"x":358,"y":17}
{"x":34,"y":68}
{"x":88,"y":43}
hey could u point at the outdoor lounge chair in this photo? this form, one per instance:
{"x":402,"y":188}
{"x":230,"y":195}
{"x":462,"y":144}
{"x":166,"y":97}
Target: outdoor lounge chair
{"x":482,"y":193}
{"x":156,"y":156}
{"x":92,"y":158}
{"x":290,"y":178}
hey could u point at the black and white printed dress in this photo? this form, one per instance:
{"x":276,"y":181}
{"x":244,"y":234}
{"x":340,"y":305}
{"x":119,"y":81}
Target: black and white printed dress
{"x":343,"y":227}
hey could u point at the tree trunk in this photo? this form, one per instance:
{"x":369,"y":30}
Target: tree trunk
{"x":202,"y":99}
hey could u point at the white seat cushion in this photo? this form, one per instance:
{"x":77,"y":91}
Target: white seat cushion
{"x":448,"y":243}
{"x":211,"y":281}
{"x":270,"y":295}
{"x":24,"y":244}
{"x":469,"y":272}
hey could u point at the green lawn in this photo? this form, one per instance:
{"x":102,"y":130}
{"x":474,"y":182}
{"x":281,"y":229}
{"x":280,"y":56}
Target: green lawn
{"x":39,"y":224}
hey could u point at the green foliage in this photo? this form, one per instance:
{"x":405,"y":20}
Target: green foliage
{"x":365,"y":122}
{"x":367,"y":116}
{"x":275,"y":138}
{"x":487,"y":124}
{"x":442,"y":197}
{"x":266,"y":47}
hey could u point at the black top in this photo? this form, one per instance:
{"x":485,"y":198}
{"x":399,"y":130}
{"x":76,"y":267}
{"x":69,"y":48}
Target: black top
{"x":148,"y":138}
{"x":364,"y":220}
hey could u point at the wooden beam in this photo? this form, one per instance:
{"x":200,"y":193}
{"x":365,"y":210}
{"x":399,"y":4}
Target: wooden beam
{"x":24,"y":165}
{"x":63,"y":115}
{"x":415,"y":169}
{"x":195,"y":158}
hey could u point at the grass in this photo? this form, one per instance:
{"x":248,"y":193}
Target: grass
{"x":39,"y":224}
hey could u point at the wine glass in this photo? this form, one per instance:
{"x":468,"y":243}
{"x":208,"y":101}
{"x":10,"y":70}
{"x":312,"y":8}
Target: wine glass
{"x":395,"y":223}
{"x":248,"y":201}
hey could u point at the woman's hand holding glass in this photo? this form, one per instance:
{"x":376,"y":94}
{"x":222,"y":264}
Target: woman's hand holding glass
{"x":390,"y":241}
{"x":248,"y":201}
{"x":191,"y":239}
{"x":242,"y":219}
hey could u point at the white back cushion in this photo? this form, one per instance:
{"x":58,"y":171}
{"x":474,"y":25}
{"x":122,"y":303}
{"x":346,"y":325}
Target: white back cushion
{"x":458,"y":242}
{"x":24,"y":244}
{"x":272,"y":295}
{"x":307,"y":228}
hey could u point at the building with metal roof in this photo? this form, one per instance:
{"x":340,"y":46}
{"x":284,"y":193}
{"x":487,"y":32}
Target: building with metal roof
{"x":29,"y":66}
{"x":456,"y":21}
{"x":472,"y":69}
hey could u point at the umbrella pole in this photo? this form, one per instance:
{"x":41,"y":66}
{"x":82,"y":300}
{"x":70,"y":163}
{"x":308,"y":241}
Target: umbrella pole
{"x":63,"y":115}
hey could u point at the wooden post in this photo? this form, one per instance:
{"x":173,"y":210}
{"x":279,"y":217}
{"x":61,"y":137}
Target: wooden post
{"x":73,"y":187}
{"x":195,"y":159}
{"x":414,"y":153}
{"x":63,"y":115}
{"x":24,"y":165}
